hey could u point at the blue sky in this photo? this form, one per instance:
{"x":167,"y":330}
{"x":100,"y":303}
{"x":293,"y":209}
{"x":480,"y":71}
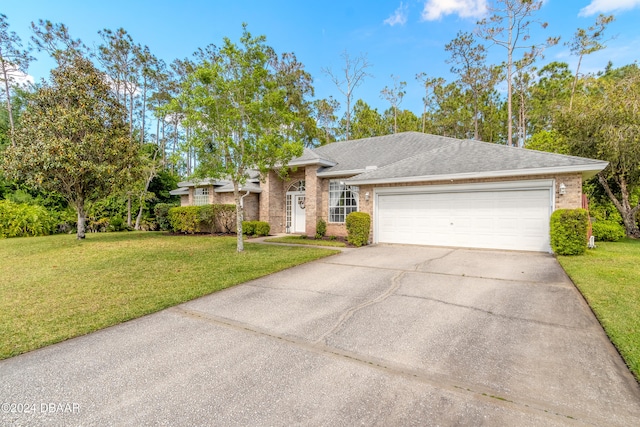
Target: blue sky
{"x":399,"y":38}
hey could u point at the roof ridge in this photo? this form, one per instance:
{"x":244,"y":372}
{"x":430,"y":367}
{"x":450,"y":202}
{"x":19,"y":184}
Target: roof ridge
{"x":421,"y":153}
{"x":546,"y":153}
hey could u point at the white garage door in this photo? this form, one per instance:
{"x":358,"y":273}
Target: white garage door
{"x":482,"y":217}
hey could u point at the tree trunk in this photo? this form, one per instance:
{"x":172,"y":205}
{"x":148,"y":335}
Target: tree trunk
{"x":627,"y":213}
{"x":129,"y":210}
{"x":81,"y":219}
{"x":348,"y":117}
{"x":239,"y":217}
{"x":476,"y":132}
{"x":9,"y":111}
{"x":395,"y":120}
{"x":575,"y":82}
{"x":144,"y":112}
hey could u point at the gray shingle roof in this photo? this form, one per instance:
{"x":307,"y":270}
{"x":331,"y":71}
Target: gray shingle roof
{"x":408,"y":156}
{"x":357,"y":154}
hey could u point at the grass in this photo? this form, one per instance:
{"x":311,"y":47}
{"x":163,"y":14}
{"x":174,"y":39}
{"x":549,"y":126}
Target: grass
{"x":609,"y":279}
{"x":300,"y":240}
{"x":54,"y":288}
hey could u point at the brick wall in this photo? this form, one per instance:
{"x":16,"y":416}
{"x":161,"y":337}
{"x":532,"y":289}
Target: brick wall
{"x":570,"y":200}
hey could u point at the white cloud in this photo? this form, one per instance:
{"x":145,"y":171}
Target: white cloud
{"x":399,"y":16}
{"x":436,"y":9}
{"x":606,"y":6}
{"x":18,"y":77}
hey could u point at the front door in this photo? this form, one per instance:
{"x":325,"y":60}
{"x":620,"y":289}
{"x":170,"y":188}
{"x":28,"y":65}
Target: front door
{"x":299,"y":224}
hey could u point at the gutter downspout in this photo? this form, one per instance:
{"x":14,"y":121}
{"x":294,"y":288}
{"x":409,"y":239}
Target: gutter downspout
{"x":242,"y":199}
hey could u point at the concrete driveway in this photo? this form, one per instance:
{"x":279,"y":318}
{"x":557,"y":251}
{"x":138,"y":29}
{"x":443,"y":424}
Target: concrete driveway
{"x":384,"y":335}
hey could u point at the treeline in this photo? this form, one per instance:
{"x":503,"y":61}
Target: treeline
{"x":163,"y":134}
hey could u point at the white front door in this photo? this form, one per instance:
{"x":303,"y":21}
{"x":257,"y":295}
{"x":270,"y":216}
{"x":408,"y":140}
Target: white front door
{"x":298,"y":217}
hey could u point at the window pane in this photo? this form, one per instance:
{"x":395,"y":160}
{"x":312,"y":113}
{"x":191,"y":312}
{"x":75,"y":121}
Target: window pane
{"x":342,"y":201}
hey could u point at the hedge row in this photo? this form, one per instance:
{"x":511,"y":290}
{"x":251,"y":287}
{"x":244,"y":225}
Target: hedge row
{"x":607,"y":231}
{"x":20,"y":219}
{"x":255,"y":228}
{"x":195,"y":219}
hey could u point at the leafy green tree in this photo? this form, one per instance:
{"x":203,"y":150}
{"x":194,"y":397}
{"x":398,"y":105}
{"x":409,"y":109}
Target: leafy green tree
{"x":405,"y":120}
{"x":550,"y":141}
{"x":604,"y":124}
{"x":325,"y":114}
{"x":365,"y":121}
{"x":469,"y":63}
{"x":242,"y":104}
{"x":453,"y":117}
{"x":549,"y":96}
{"x":72,"y":137}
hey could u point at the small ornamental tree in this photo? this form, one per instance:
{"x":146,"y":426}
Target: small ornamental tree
{"x":247,"y":109}
{"x":72,"y":137}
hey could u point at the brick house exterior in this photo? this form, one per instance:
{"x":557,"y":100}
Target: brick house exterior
{"x":365,"y":175}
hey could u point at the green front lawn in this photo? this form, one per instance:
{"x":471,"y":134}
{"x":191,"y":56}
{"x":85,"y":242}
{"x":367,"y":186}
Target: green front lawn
{"x":54,"y":288}
{"x":300,"y":240}
{"x":609,"y":279}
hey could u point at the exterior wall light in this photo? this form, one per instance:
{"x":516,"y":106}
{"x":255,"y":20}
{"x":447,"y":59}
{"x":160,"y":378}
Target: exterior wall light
{"x":366,"y":196}
{"x":563,"y":189}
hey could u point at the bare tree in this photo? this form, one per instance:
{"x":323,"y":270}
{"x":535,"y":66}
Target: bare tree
{"x":586,"y":42}
{"x":508,"y":27}
{"x":394,"y":95}
{"x":13,"y":61}
{"x":352,"y":76}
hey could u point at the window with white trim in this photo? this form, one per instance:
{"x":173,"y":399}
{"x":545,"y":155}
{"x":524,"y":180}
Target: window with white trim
{"x":343,"y":200}
{"x":201,"y":196}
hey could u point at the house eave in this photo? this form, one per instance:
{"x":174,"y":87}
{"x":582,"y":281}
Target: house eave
{"x":314,"y":162}
{"x":336,"y":174}
{"x":587,"y":172}
{"x":242,"y":190}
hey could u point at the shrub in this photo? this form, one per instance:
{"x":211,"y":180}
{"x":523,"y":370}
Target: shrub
{"x":248,"y":227}
{"x":607,"y":231}
{"x":226,"y":218}
{"x":262,"y":228}
{"x":321,"y":228}
{"x":255,"y":228}
{"x":161,"y":211}
{"x":99,"y":226}
{"x":19,"y":220}
{"x":568,"y":231}
{"x":358,"y":224}
{"x":117,"y":223}
{"x":184,"y":219}
{"x":207,"y":218}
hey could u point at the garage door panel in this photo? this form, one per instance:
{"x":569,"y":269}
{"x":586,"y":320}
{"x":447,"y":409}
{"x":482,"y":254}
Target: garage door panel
{"x":499,"y":219}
